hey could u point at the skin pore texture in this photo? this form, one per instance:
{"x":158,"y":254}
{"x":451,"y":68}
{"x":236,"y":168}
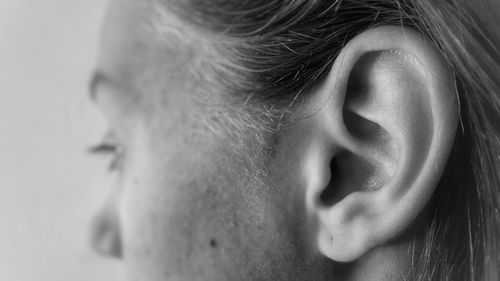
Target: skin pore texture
{"x":200,"y":193}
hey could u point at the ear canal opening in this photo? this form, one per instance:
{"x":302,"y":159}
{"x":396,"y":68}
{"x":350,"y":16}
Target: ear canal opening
{"x":349,"y":173}
{"x":329,"y":196}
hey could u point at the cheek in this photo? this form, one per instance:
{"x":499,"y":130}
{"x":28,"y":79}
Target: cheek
{"x":176,"y":212}
{"x":201,"y":216}
{"x":168,"y":212}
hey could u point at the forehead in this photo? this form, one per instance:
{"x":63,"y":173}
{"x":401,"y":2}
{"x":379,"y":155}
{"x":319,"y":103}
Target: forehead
{"x":143,"y":49}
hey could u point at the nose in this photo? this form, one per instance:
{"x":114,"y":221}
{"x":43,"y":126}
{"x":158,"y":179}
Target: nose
{"x":105,"y":234}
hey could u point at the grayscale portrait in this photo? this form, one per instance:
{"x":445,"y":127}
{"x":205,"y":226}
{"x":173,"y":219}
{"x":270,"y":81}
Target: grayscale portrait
{"x":316,"y":140}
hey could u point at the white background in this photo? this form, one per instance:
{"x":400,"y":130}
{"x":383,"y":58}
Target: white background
{"x":47,"y":195}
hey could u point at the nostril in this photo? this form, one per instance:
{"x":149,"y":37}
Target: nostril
{"x":105,"y":235}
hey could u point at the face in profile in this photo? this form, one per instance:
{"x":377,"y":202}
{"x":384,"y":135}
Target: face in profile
{"x":192,"y":198}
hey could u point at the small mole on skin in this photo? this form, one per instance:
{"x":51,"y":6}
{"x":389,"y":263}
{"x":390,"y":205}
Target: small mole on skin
{"x":213,"y":243}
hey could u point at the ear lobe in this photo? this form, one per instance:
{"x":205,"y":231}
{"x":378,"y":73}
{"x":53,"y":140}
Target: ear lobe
{"x":388,"y":119}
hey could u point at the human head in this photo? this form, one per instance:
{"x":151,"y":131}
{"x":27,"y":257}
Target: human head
{"x":258,"y":134}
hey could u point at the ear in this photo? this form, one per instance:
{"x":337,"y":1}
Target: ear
{"x":380,"y":130}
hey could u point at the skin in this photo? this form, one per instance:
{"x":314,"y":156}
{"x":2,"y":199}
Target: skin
{"x":191,"y":199}
{"x":204,"y":190}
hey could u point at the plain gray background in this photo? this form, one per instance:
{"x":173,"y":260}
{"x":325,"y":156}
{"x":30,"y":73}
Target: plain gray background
{"x":47,"y":182}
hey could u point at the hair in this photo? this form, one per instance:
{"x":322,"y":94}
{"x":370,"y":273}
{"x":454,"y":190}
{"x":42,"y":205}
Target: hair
{"x":271,"y":52}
